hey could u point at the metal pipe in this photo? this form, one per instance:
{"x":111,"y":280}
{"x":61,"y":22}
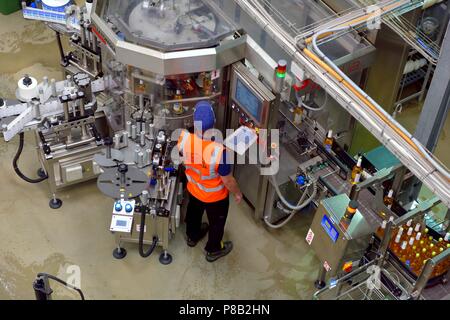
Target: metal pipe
{"x":60,"y":47}
{"x":433,"y":179}
{"x":66,"y":111}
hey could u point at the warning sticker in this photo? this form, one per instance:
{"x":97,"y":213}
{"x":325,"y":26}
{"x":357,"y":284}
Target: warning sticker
{"x":138,"y":228}
{"x":326,"y":266}
{"x":310,"y":237}
{"x":215,"y":74}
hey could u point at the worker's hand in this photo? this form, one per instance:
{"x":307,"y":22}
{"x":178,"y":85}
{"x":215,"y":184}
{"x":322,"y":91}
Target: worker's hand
{"x":238,"y":197}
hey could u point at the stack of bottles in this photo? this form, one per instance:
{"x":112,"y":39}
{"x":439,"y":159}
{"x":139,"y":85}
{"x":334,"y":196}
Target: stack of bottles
{"x":413,"y":246}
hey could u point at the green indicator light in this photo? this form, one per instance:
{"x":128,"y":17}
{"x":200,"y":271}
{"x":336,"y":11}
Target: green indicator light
{"x":281,"y":75}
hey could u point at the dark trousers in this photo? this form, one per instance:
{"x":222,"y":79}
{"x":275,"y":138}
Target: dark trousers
{"x":217,"y":213}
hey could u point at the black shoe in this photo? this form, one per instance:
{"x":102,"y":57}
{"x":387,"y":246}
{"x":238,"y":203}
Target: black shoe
{"x":203,"y":231}
{"x":227,"y":246}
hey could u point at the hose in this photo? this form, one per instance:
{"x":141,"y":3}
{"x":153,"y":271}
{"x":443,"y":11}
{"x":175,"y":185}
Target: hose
{"x":49,"y":276}
{"x":304,"y":105}
{"x":300,"y":205}
{"x":16,"y":159}
{"x":142,"y":253}
{"x":375,"y":106}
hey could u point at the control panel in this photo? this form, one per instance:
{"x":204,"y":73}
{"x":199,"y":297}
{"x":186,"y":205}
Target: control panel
{"x":122,"y":218}
{"x":251,"y":99}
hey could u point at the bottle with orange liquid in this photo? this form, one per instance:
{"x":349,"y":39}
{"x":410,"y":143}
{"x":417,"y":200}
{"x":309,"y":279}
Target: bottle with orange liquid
{"x":416,"y":263}
{"x":395,"y":246}
{"x":207,"y":83}
{"x":328,"y":143}
{"x":389,"y":199}
{"x":381,"y":229}
{"x":357,"y":169}
{"x":403,"y":254}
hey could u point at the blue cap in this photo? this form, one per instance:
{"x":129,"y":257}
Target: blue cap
{"x":204,"y":113}
{"x":301,"y":180}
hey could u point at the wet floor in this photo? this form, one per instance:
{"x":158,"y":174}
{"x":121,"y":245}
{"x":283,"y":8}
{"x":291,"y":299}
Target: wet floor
{"x":264,"y":264}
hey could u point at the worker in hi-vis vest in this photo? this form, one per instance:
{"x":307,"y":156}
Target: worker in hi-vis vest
{"x":209,"y":182}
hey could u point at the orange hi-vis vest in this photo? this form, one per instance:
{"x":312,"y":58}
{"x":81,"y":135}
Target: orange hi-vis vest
{"x":201,"y":159}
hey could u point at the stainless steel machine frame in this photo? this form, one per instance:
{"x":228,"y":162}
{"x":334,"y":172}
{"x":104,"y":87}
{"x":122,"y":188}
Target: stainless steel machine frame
{"x":333,"y":245}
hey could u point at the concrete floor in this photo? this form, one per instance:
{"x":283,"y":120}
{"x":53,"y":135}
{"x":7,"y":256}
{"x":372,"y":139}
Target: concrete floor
{"x":264,"y":264}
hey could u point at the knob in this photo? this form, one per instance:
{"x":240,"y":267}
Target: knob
{"x":128,"y":208}
{"x":118,"y":206}
{"x":123,"y":168}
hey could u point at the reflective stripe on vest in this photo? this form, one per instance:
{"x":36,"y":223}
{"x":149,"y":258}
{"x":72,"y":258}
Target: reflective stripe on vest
{"x":184,"y":140}
{"x":214,"y":162}
{"x":203,"y":188}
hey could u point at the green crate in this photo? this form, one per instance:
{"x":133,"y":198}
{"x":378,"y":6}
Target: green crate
{"x":10,"y":6}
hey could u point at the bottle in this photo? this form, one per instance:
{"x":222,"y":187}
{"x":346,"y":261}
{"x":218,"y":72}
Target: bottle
{"x":389,"y":199}
{"x":422,"y":244}
{"x":418,"y":236}
{"x":207,"y":83}
{"x":178,"y":106}
{"x":400,"y":231}
{"x":447,"y":237}
{"x":381,"y":229}
{"x":329,"y":141}
{"x":409,"y":223}
{"x":357,"y":169}
{"x":403,"y":255}
{"x":395,"y":247}
{"x":298,"y":114}
{"x":417,"y":228}
{"x":440,"y":243}
{"x":353,"y":189}
{"x":416,"y":264}
{"x":410,"y":232}
{"x":348,"y":215}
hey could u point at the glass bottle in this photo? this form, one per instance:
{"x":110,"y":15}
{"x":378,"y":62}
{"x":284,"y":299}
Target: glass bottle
{"x":348,"y":215}
{"x":389,"y":199}
{"x":403,"y":255}
{"x":298,"y":114}
{"x":178,"y":105}
{"x":328,"y":143}
{"x":357,"y":169}
{"x":395,"y":246}
{"x":207,"y":83}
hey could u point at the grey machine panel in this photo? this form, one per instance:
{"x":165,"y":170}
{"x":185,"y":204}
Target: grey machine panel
{"x":333,"y":245}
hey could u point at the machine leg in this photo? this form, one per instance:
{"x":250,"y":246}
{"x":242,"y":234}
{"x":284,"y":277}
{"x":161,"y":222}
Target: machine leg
{"x":320,"y":282}
{"x":55,"y":203}
{"x":119,"y":253}
{"x":165,"y":257}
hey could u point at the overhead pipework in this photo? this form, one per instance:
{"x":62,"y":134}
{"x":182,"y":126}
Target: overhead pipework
{"x":388,"y":131}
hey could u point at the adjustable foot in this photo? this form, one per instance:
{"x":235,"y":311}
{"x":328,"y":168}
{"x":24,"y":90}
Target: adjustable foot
{"x":55,"y":203}
{"x":119,"y":253}
{"x":41,"y":173}
{"x":319,"y":284}
{"x":165,"y":258}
